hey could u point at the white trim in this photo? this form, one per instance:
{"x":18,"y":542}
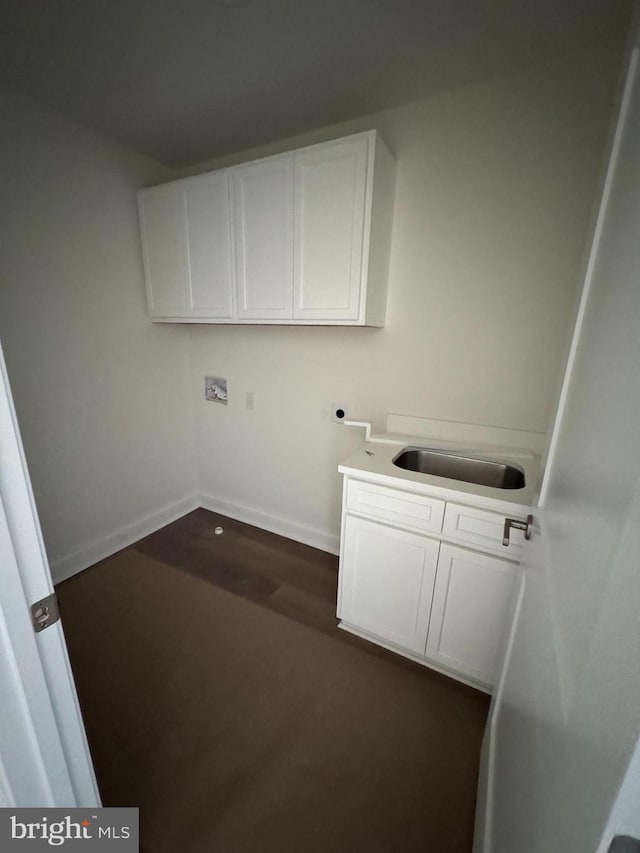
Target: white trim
{"x":7,"y":800}
{"x":593,"y":257}
{"x":483,"y":833}
{"x":321,"y":539}
{"x":41,"y":670}
{"x":624,"y":818}
{"x":98,"y":549}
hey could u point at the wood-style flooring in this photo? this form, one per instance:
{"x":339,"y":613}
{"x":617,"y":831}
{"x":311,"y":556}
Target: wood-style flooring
{"x":290,"y":578}
{"x":285,"y":576}
{"x":220,"y":698}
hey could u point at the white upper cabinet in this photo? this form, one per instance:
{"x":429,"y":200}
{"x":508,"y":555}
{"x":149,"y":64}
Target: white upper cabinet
{"x":263,"y":228}
{"x":330,"y":192}
{"x":299,"y":238}
{"x":210,"y":259}
{"x":164,"y":245}
{"x":186,"y":240}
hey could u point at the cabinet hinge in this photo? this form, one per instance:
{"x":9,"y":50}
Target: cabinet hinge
{"x":45,"y":612}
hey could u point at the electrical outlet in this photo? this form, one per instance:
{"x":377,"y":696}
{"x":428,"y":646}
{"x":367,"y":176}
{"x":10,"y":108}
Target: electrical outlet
{"x":338,"y":412}
{"x":250,"y":401}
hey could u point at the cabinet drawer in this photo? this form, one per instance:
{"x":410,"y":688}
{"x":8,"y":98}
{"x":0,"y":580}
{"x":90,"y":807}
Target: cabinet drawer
{"x":415,"y":512}
{"x":483,"y":529}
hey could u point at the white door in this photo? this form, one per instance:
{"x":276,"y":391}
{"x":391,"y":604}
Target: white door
{"x":566,"y":717}
{"x":162,"y":226}
{"x":387,"y":578}
{"x":44,"y":757}
{"x":472,"y":601}
{"x":208,"y":235}
{"x":263,"y":231}
{"x":330,"y":187}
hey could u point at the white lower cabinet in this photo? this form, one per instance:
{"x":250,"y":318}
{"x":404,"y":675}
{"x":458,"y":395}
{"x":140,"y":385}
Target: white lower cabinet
{"x":443,"y":604}
{"x":387,"y":582}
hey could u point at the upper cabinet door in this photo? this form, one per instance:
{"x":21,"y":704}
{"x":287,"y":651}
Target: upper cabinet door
{"x":330,"y":190}
{"x":263,"y":230}
{"x":162,"y":221}
{"x":210,"y":279}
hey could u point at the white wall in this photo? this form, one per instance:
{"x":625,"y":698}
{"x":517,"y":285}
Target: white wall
{"x":101,"y":393}
{"x":495,"y":188}
{"x":494,"y":192}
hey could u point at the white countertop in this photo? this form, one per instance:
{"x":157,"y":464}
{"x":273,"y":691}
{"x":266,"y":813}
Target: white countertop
{"x":373,"y":462}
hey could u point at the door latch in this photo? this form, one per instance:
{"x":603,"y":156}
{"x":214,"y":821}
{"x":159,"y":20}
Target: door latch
{"x":517,"y":524}
{"x":45,"y":612}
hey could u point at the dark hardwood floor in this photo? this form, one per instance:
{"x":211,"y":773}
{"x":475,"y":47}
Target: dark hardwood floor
{"x":217,"y":700}
{"x":285,"y":576}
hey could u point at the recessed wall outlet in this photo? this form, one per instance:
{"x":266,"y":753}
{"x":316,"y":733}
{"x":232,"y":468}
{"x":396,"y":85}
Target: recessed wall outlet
{"x":215,"y":389}
{"x":338,"y":412}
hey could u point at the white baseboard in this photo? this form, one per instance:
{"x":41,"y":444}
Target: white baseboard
{"x":99,"y":549}
{"x":321,"y":539}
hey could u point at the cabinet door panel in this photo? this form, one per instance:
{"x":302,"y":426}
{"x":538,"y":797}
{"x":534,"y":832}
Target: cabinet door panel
{"x":471,"y":607}
{"x":387,"y":578}
{"x":263,"y":228}
{"x":330,"y":187}
{"x":210,"y":290}
{"x":162,"y":222}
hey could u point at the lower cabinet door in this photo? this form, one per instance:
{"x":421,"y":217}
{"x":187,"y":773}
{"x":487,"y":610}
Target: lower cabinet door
{"x":386,"y":582}
{"x":472,"y":604}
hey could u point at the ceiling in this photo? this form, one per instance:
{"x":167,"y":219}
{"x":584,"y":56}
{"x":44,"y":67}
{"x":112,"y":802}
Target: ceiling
{"x":186,"y":81}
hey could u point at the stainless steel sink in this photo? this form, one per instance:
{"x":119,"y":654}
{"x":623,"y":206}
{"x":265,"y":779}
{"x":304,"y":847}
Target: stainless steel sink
{"x":482,"y":472}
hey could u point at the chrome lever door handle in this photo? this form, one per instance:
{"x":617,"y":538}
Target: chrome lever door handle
{"x":517,"y":524}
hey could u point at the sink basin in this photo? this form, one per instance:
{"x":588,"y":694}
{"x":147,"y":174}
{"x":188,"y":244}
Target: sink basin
{"x":482,"y":472}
